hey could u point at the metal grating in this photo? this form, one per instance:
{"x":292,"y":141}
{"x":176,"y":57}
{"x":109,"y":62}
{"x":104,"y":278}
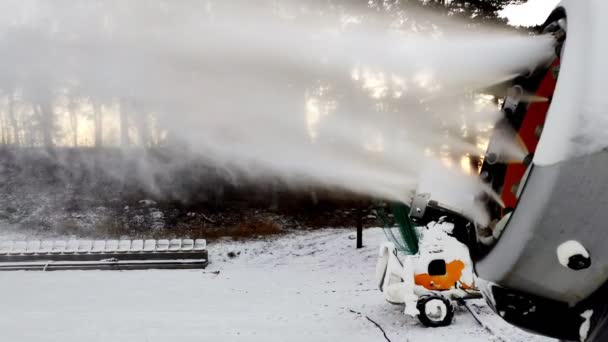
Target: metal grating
{"x":102,"y":254}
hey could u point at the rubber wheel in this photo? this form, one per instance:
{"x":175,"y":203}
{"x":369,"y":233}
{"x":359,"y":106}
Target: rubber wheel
{"x":435,"y":311}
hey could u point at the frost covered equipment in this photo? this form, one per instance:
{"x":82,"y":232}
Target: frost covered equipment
{"x":543,"y":257}
{"x":424,"y":267}
{"x":103,"y":254}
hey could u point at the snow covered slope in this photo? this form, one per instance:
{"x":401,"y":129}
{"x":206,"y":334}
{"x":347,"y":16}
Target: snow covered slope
{"x":297,"y":287}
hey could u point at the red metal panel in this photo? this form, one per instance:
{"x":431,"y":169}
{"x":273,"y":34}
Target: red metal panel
{"x":529,"y":133}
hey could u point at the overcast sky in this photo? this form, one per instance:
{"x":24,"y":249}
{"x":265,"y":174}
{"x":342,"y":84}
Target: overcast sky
{"x":532,"y":13}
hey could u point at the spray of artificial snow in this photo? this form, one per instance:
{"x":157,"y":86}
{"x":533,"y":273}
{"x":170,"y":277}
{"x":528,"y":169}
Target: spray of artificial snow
{"x":312,"y":97}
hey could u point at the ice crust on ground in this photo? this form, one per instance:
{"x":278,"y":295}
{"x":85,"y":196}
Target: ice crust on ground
{"x":297,"y":287}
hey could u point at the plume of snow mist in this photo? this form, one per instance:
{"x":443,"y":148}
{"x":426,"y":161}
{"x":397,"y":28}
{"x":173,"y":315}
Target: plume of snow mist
{"x":310,"y":97}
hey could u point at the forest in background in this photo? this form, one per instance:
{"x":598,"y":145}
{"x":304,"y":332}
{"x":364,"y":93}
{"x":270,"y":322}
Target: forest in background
{"x":75,"y":160}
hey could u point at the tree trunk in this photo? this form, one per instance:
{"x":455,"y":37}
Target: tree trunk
{"x":360,"y":226}
{"x":3,"y":131}
{"x":13,"y":120}
{"x":74,"y":123}
{"x":45,"y":115}
{"x":274,"y":196}
{"x":124,"y":125}
{"x":97,"y":120}
{"x":144,"y":135}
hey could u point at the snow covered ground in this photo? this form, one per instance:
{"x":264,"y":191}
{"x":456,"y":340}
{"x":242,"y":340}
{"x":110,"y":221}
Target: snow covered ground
{"x":304,"y":286}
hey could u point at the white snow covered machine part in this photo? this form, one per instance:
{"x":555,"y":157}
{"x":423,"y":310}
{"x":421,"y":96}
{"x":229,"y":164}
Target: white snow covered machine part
{"x":54,"y":255}
{"x":429,"y":281}
{"x":544,"y":256}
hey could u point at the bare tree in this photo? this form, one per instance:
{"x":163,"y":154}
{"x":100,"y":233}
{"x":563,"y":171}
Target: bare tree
{"x":73,"y":113}
{"x":98,"y":123}
{"x":14,"y":123}
{"x":124,"y":124}
{"x":143,"y":127}
{"x":45,"y":115}
{"x":3,"y":130}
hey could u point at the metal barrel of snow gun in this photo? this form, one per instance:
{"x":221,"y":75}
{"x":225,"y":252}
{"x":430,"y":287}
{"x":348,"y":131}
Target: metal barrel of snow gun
{"x":543,"y":258}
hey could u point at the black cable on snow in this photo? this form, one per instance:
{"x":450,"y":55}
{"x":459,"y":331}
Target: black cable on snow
{"x":374,"y":322}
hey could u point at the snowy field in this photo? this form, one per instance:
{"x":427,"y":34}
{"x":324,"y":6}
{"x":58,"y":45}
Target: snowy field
{"x":304,"y":286}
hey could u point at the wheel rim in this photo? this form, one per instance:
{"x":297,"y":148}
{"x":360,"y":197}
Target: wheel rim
{"x":435,"y":310}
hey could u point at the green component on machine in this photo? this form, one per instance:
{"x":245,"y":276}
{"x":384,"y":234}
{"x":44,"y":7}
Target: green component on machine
{"x":402,"y":232}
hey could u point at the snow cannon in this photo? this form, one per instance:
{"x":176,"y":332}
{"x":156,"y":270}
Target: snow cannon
{"x":541,"y":260}
{"x":56,"y":255}
{"x":543,"y":257}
